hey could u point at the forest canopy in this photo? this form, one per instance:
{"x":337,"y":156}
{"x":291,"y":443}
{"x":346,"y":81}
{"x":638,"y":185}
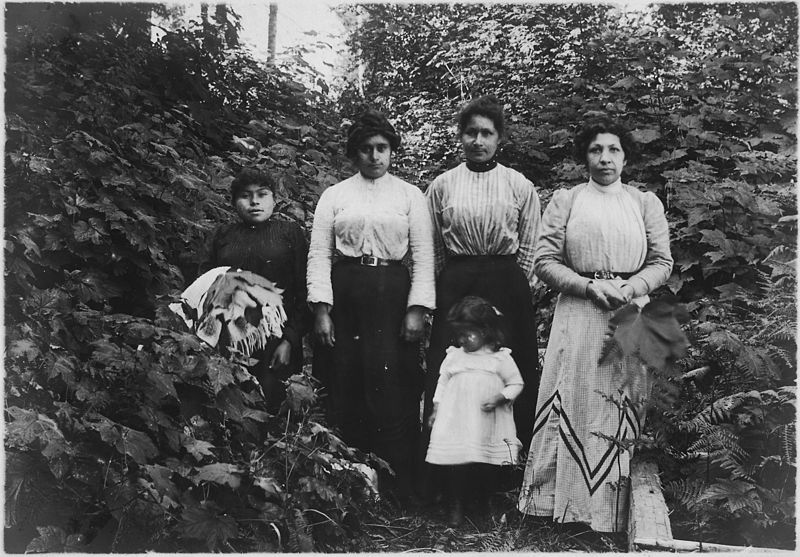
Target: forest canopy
{"x":119,"y":152}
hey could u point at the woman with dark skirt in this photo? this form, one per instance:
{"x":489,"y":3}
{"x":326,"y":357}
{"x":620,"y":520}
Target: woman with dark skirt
{"x":371,"y":285}
{"x":486,"y":220}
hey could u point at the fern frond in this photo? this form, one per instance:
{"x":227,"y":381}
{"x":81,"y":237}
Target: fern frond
{"x":734,"y":495}
{"x":720,"y":411}
{"x":718,"y":439}
{"x":686,"y":491}
{"x":300,"y":538}
{"x":787,"y":436}
{"x":726,"y":460}
{"x":499,"y":541}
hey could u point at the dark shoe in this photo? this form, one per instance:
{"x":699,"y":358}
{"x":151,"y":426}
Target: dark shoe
{"x":455,"y":517}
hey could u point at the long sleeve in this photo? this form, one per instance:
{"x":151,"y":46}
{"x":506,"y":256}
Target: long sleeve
{"x":528,"y":230}
{"x":297,"y":323}
{"x":209,"y":258}
{"x":420,"y":239}
{"x":320,"y":252}
{"x":550,"y":263}
{"x":658,"y":261}
{"x":434,"y":207}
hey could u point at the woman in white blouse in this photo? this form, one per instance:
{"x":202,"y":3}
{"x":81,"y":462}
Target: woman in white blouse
{"x":603,"y":244}
{"x":486,"y":221}
{"x":371,"y":284}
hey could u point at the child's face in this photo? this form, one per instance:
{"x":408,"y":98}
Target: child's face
{"x":254,"y":204}
{"x":470,"y":338}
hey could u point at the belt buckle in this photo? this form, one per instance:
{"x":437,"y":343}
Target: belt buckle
{"x":369,"y":260}
{"x":603,"y":275}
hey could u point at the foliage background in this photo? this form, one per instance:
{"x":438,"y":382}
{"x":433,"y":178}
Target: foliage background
{"x":118,"y":156}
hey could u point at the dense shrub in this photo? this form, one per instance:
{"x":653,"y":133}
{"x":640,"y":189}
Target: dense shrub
{"x":119,"y":153}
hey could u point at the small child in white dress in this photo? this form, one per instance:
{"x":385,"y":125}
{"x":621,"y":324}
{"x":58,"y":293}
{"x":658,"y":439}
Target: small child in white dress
{"x":472,"y":420}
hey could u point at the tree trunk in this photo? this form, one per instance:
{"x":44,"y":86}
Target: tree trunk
{"x":204,"y":18}
{"x":272,"y":29}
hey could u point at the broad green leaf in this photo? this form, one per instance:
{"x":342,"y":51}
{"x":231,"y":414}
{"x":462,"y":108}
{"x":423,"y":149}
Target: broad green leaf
{"x":29,"y":430}
{"x":646,"y":135}
{"x":219,"y":374}
{"x":209,"y":523}
{"x":161,"y":476}
{"x":137,"y":445}
{"x":24,"y":348}
{"x":162,"y":383}
{"x":51,"y":539}
{"x":195,"y":447}
{"x":651,"y":333}
{"x":300,"y":393}
{"x":270,"y":486}
{"x":220,"y":473}
{"x":40,"y":165}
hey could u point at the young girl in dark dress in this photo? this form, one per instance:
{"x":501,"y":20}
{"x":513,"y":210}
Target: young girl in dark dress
{"x":276,"y":250}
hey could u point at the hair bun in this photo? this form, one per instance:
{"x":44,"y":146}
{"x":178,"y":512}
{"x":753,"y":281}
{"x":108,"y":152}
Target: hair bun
{"x":370,"y":123}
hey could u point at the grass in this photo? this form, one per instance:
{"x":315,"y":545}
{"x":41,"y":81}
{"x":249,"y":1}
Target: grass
{"x":497,"y":527}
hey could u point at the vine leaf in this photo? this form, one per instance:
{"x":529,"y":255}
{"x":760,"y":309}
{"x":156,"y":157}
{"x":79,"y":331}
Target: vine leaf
{"x":197,"y":448}
{"x":127,"y":441}
{"x":24,"y":347}
{"x":219,"y":375}
{"x":53,"y":539}
{"x":207,"y":522}
{"x":652,"y":334}
{"x":219,"y":473}
{"x":28,"y":427}
{"x":299,"y":393}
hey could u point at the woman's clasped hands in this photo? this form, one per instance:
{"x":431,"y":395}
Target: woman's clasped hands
{"x":609,"y":295}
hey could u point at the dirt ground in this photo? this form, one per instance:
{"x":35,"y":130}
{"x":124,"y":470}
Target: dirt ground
{"x":492,"y":527}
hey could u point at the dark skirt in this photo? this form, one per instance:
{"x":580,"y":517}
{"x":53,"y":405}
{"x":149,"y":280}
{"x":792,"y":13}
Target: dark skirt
{"x":501,"y":281}
{"x":373,"y":377}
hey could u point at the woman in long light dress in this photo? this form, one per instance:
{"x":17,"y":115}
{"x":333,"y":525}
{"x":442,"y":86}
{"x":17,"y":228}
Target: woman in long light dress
{"x":603,"y":244}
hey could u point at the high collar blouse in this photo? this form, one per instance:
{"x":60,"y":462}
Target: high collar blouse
{"x":603,"y":228}
{"x":485,"y":213}
{"x":386,"y":218}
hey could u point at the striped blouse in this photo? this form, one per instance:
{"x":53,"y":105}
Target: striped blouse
{"x":386,"y":217}
{"x":485,"y":213}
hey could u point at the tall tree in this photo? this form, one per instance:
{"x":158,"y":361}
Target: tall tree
{"x":272,"y":30}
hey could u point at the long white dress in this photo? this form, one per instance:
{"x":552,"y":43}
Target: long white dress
{"x":576,"y":472}
{"x":462,"y":432}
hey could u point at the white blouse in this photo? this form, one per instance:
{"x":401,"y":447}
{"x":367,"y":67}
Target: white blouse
{"x":386,"y":218}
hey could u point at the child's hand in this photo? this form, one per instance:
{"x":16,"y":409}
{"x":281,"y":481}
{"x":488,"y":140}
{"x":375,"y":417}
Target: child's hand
{"x":281,"y":356}
{"x":432,"y":417}
{"x":493,"y":402}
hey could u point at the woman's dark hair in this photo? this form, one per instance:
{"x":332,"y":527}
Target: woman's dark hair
{"x":602,"y":124}
{"x":487,"y":106}
{"x":248,"y":176}
{"x":474,"y":311}
{"x":369,"y":124}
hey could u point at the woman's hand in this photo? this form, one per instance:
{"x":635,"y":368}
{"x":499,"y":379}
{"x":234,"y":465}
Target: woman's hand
{"x":605,"y":295}
{"x":414,"y":324}
{"x":627,"y":291}
{"x":493,"y":402}
{"x":323,"y":324}
{"x":432,"y":417}
{"x":281,"y":356}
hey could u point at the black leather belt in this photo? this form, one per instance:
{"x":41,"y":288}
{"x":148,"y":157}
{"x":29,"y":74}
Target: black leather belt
{"x":606,"y":275}
{"x":371,"y":261}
